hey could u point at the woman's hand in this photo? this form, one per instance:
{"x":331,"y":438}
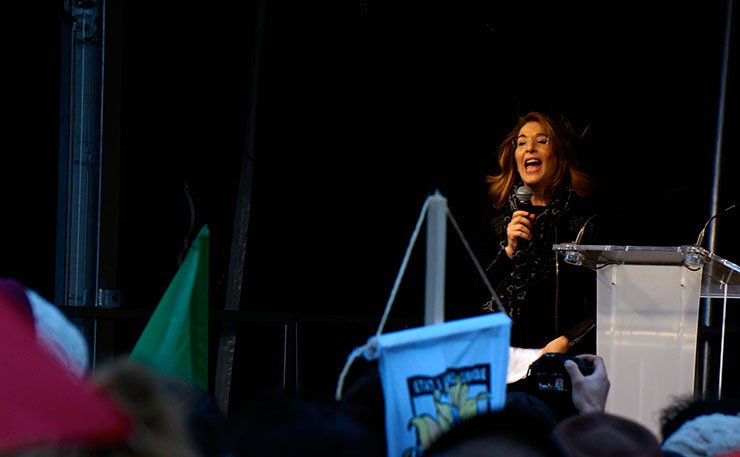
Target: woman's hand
{"x":559,"y":345}
{"x":519,"y":227}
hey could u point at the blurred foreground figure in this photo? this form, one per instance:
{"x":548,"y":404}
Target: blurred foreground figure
{"x":599,"y":434}
{"x":58,"y":335}
{"x":159,"y":417}
{"x":512,"y":432}
{"x":700,"y":427}
{"x":50,"y":405}
{"x":43,"y":402}
{"x":280,"y":425}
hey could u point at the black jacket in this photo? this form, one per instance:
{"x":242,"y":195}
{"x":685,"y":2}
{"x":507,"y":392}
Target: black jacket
{"x":545,"y":296}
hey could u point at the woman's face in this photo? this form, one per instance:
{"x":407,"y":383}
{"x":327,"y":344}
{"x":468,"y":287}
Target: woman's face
{"x":535,"y":158}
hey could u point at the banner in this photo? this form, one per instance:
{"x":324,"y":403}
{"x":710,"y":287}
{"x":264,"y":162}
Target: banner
{"x":175,"y":340}
{"x":436,"y":376}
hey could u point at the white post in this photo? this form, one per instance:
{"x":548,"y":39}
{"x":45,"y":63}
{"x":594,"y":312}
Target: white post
{"x":434,"y":294}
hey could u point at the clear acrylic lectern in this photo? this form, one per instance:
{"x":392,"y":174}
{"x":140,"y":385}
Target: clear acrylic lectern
{"x":646,"y":322}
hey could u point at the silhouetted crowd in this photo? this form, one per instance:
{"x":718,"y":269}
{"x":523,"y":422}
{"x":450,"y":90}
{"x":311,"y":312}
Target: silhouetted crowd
{"x":165,"y":416}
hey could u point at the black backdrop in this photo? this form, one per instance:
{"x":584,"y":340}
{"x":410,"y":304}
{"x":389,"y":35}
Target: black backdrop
{"x":365,"y":108}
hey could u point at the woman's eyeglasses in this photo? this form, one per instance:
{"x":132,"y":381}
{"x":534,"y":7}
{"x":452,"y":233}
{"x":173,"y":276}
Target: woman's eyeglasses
{"x":522,"y":141}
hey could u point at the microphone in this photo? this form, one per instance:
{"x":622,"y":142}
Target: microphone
{"x":572,"y":256}
{"x":701,"y":234}
{"x":583,"y":229}
{"x":524,"y":199}
{"x":523,"y":203}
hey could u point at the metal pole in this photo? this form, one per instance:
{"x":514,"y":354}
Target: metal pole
{"x":434,"y":296}
{"x":714,"y":205}
{"x":711,"y":240}
{"x":227,"y":339}
{"x":76,"y":276}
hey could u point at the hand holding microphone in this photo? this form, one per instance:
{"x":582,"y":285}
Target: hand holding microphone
{"x":519,"y":230}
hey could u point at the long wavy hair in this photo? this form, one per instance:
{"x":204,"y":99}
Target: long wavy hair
{"x":566,"y":174}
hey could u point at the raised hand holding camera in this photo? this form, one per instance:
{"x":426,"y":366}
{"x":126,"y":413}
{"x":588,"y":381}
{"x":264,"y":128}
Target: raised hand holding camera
{"x":590,"y":390}
{"x":548,"y":373}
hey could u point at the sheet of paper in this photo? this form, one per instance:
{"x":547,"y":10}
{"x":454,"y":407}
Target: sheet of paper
{"x":519,"y":361}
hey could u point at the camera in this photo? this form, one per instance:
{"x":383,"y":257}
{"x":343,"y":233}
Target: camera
{"x":548,"y":374}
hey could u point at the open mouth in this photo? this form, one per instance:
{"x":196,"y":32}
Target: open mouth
{"x":532,"y":165}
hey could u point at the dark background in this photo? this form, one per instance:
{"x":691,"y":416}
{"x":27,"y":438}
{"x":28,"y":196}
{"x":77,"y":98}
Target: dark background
{"x":363,"y":109}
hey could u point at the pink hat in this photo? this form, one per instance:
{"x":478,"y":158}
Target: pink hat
{"x":42,"y":402}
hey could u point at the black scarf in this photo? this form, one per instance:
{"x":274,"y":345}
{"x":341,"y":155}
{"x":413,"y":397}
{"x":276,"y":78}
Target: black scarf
{"x":535,"y":263}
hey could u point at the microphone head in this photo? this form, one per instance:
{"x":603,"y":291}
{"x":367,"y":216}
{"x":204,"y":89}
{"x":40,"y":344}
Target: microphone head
{"x":524,"y":194}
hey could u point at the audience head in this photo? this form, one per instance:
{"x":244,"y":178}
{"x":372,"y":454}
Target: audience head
{"x":160,"y":419}
{"x":44,"y":404}
{"x":157,"y":424}
{"x":706,"y":435}
{"x":277,"y":424}
{"x":513,"y":431}
{"x":700,"y":427}
{"x":605,"y":435}
{"x":204,"y":420}
{"x":685,"y":408}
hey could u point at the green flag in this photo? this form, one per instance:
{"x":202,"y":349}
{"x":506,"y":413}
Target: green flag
{"x":175,"y":340}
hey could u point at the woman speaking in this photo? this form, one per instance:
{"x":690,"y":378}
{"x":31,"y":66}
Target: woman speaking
{"x":540,"y":199}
